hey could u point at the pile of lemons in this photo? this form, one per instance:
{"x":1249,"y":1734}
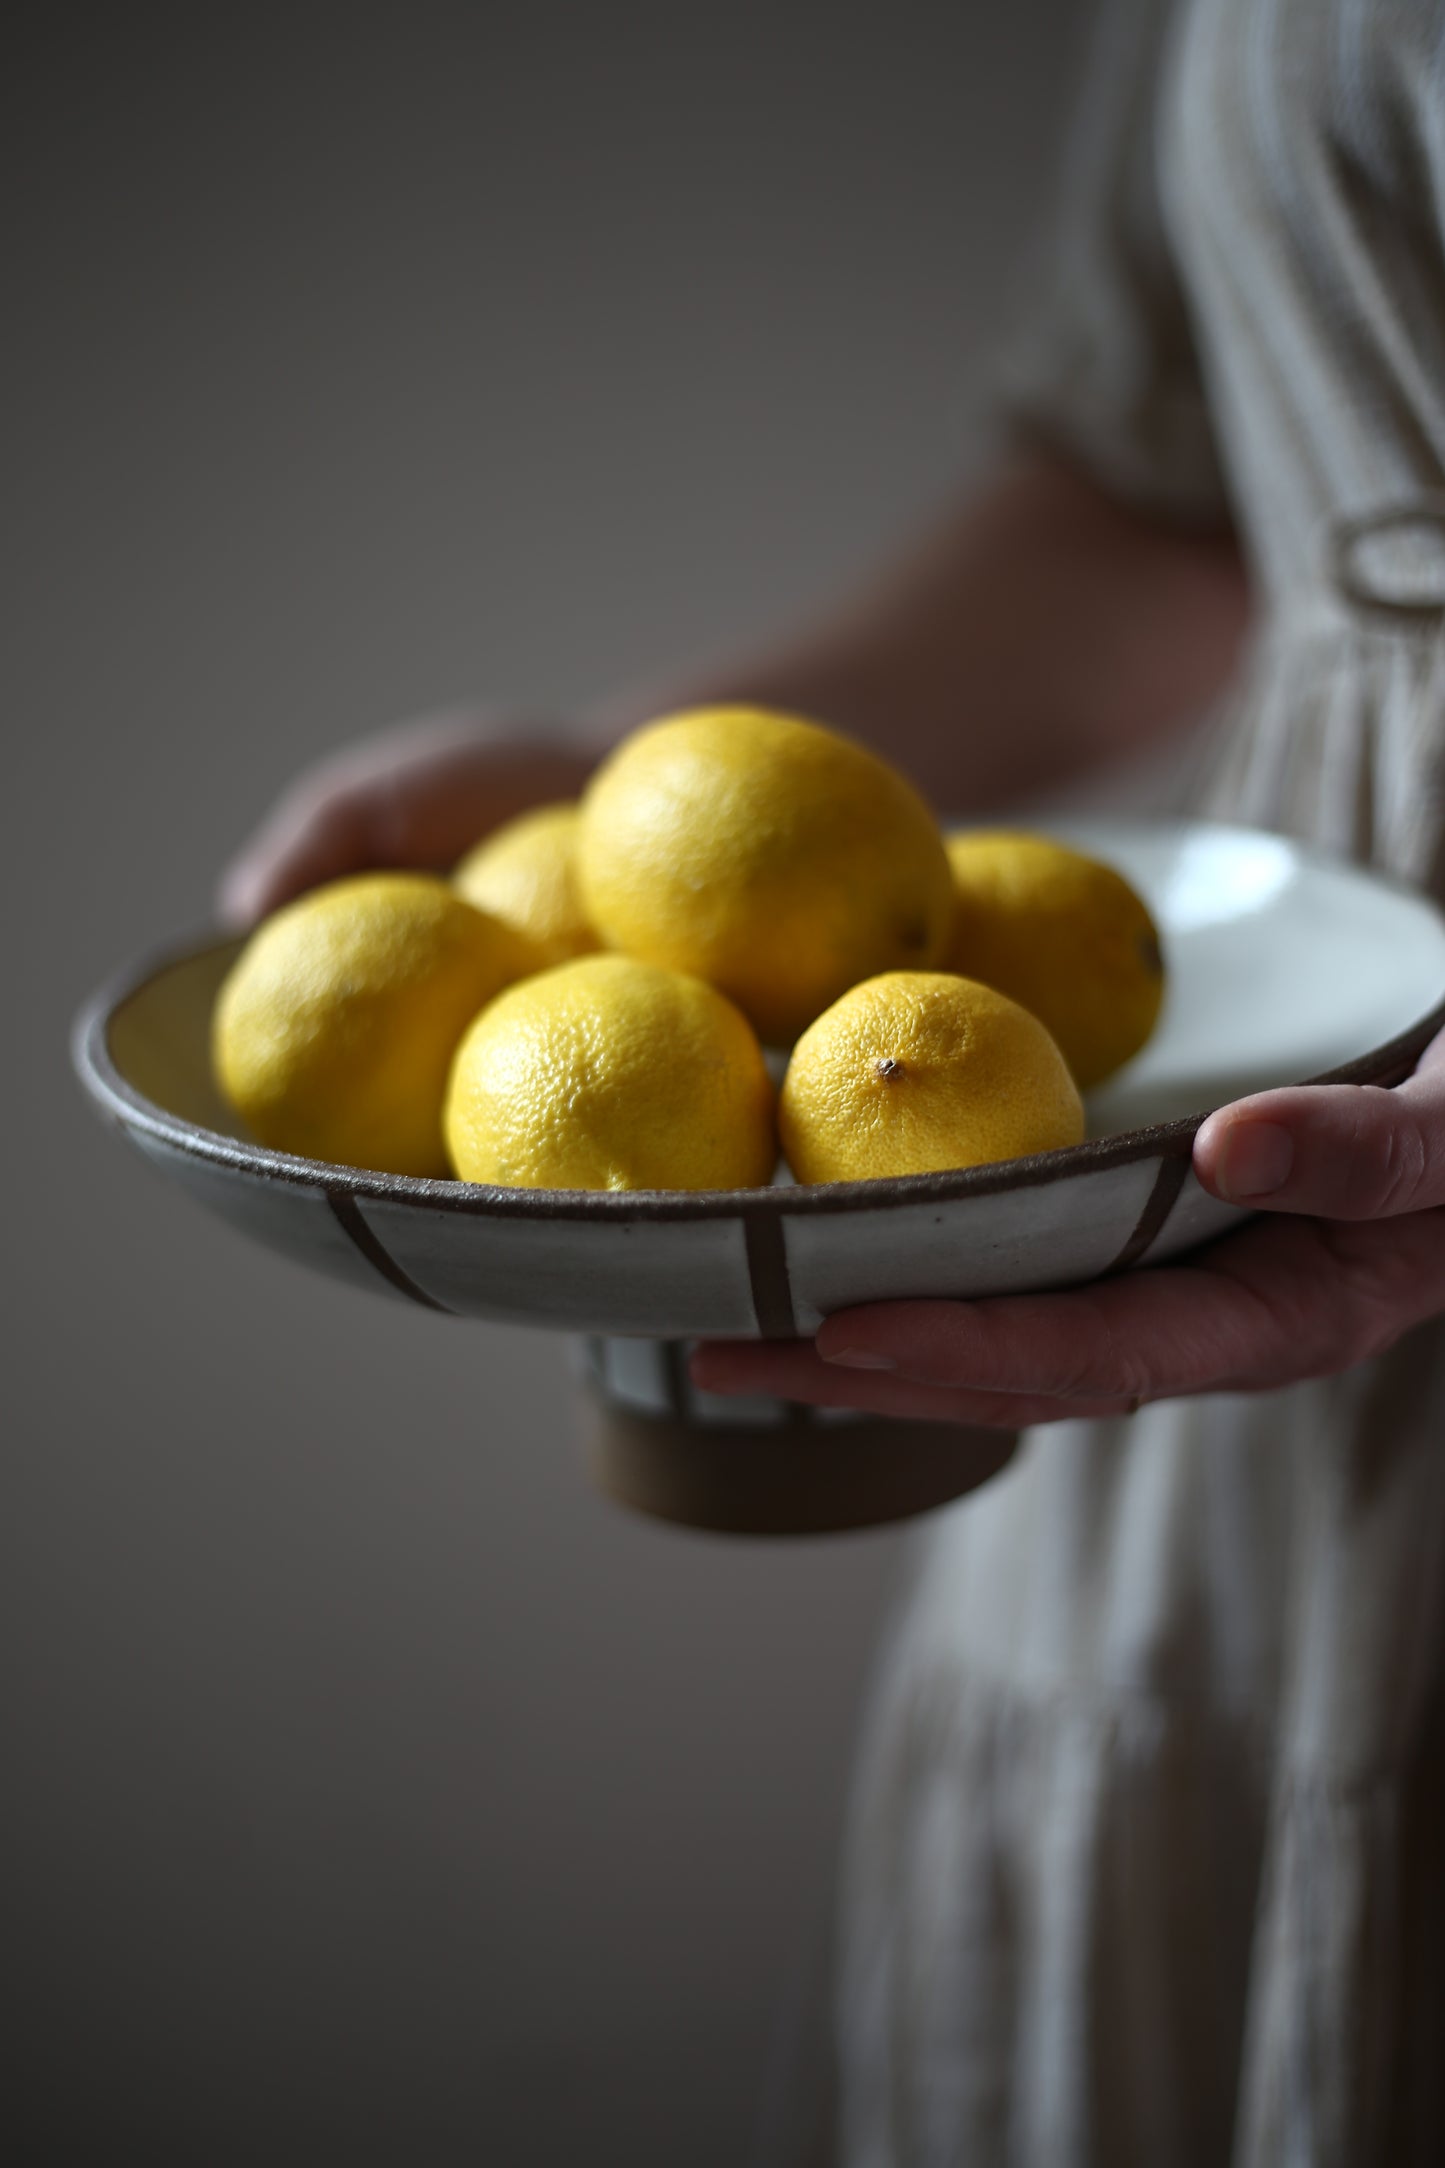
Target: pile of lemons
{"x":586,"y":1003}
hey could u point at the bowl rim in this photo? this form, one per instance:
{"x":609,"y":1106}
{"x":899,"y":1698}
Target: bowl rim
{"x":112,"y":1092}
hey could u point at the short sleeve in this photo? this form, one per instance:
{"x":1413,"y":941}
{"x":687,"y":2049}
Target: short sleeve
{"x":1104,"y":366}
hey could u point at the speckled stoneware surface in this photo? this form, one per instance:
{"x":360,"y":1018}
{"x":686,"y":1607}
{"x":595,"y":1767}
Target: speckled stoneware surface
{"x":1284,"y":967}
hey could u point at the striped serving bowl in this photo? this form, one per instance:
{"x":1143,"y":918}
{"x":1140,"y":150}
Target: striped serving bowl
{"x":1284,"y":966}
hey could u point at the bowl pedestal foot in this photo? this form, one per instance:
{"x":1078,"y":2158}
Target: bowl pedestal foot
{"x":778,"y":1470}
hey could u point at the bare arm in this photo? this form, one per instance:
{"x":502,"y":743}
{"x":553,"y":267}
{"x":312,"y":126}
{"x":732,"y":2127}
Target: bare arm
{"x":1041,"y":630}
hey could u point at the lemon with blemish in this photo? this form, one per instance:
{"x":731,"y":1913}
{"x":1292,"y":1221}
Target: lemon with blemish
{"x":917,"y":1071}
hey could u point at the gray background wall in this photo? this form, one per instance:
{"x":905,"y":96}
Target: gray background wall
{"x":373,"y":1790}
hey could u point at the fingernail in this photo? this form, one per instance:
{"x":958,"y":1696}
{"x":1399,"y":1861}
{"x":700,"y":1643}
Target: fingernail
{"x":1255,"y":1161}
{"x":858,"y":1358}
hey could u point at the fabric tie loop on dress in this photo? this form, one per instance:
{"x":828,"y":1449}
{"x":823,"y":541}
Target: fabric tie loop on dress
{"x":1390,"y":562}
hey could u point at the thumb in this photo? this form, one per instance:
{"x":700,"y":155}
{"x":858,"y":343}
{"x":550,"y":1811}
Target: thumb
{"x":1343,"y":1151}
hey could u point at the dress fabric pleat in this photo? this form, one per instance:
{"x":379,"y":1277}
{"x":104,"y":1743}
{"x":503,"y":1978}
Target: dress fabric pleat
{"x":1144,"y":1855}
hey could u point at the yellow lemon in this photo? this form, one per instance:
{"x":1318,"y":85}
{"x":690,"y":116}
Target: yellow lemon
{"x":1063,"y":934}
{"x":606,"y":1073}
{"x":771,"y":857}
{"x":918,"y":1071}
{"x":334,"y":1030}
{"x":525,"y":874}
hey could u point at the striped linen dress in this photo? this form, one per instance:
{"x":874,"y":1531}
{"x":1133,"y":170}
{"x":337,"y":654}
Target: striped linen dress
{"x":1144,"y":1861}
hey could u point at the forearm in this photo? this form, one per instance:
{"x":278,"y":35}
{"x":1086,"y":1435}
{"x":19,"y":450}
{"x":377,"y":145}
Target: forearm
{"x":1041,"y":630}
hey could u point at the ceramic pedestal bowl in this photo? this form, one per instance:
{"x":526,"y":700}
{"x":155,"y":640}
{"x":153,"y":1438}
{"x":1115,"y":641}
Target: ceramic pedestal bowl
{"x":1285,"y":967}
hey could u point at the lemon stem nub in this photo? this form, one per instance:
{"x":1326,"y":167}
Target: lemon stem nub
{"x":888,"y":1067}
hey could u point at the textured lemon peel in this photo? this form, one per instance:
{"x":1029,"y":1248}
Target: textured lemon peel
{"x":525,"y":874}
{"x":774,"y":858}
{"x":334,"y":1030}
{"x":1063,"y":934}
{"x":612,"y":1074}
{"x":977,"y":1080}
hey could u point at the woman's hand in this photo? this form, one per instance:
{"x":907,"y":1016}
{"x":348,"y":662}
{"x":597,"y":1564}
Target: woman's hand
{"x":420,"y":794}
{"x":1354,"y":1259}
